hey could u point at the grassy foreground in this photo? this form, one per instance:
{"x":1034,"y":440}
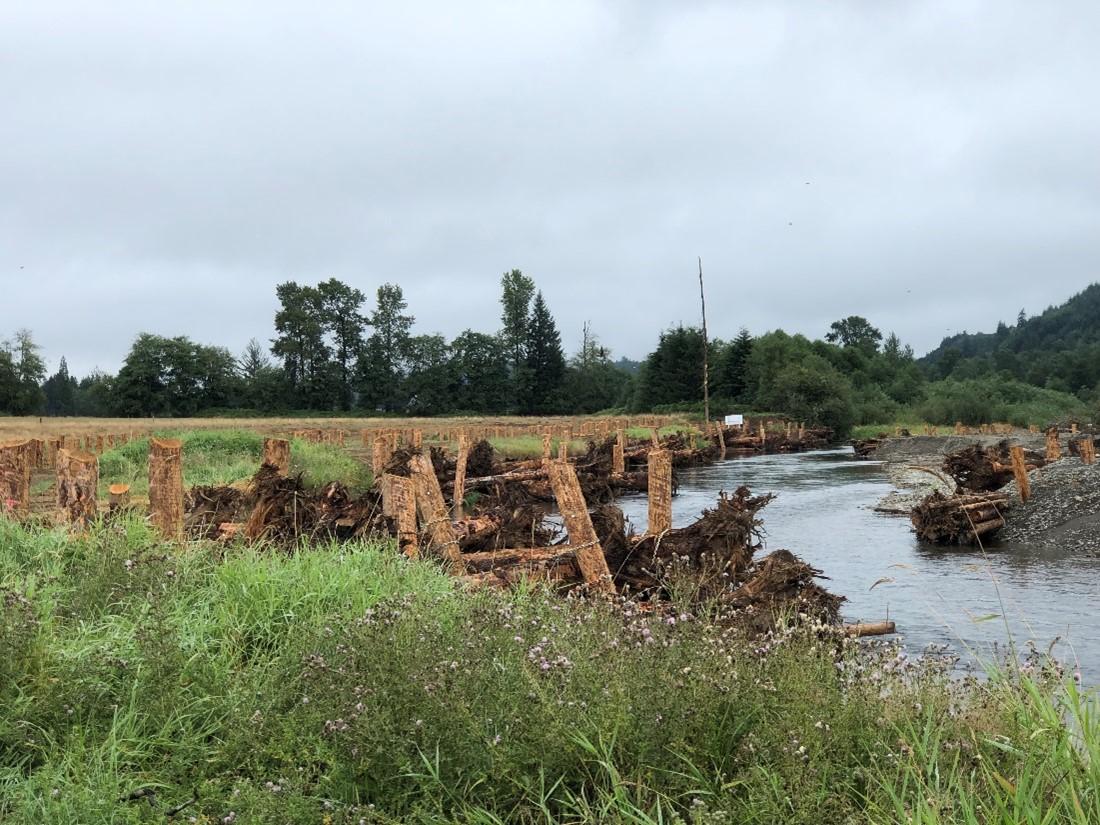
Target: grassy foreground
{"x":344,"y":684}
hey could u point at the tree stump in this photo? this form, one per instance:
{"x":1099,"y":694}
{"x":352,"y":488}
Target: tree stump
{"x":166,"y":486}
{"x":277,"y":454}
{"x":15,"y":478}
{"x":119,"y":496}
{"x":77,"y":481}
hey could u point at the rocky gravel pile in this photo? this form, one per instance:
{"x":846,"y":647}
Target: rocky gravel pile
{"x":1063,"y":511}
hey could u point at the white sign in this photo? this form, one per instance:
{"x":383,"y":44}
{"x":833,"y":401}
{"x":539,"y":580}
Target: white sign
{"x":735,"y":420}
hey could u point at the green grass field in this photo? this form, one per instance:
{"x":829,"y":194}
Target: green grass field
{"x":225,"y":457}
{"x":346,"y":684}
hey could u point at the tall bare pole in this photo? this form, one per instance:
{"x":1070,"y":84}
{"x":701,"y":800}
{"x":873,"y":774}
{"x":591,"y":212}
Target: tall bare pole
{"x":706,"y":369}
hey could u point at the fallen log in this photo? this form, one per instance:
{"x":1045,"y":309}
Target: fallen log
{"x":869,"y":629}
{"x":960,"y":519}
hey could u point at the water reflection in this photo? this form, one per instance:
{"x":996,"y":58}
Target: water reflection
{"x":964,"y":597}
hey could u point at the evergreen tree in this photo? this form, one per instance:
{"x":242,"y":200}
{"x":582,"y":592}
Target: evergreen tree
{"x":382,"y":363}
{"x":480,"y":372}
{"x":673,"y":372}
{"x":544,"y":363}
{"x":300,"y":343}
{"x":342,"y":320}
{"x":517,"y":291}
{"x":731,"y":380}
{"x":60,"y":390}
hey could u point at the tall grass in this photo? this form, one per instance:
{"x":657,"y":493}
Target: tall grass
{"x":346,"y":684}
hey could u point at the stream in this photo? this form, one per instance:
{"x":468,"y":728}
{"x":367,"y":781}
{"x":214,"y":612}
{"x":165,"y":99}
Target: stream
{"x":972,"y":600}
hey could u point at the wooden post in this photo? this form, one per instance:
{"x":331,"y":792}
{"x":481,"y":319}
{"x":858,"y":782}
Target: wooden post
{"x":15,"y":478}
{"x":1054,"y":448}
{"x":385,"y":482}
{"x":460,"y":475}
{"x":545,"y":447}
{"x":277,"y":454}
{"x":378,"y":457}
{"x":418,"y":439}
{"x":563,"y":450}
{"x":1073,"y":428}
{"x":655,"y":437}
{"x":763,"y":434}
{"x":77,"y":480}
{"x":166,"y":486}
{"x":720,"y":428}
{"x":1088,"y":449}
{"x":618,"y":454}
{"x":1019,"y":469}
{"x":660,"y":491}
{"x":433,"y":509}
{"x":404,"y":508}
{"x":578,"y":527}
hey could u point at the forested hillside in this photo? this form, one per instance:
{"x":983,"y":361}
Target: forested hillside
{"x":1059,"y":349}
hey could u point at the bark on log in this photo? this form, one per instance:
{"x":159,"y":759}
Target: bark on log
{"x":870,"y":629}
{"x":578,"y":526}
{"x":77,"y":482}
{"x":277,"y":454}
{"x":166,"y":486}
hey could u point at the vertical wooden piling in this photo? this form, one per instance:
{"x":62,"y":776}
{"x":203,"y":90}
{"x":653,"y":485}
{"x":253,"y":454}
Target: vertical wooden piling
{"x":404,"y":508}
{"x":720,"y":428}
{"x":1054,"y":448}
{"x":578,"y":526}
{"x":77,"y":482}
{"x":277,"y":454}
{"x":418,"y":439}
{"x":460,"y":475}
{"x":385,"y":485}
{"x":433,"y":509}
{"x":546,"y":438}
{"x":655,"y":437}
{"x":15,"y":478}
{"x":660,"y":491}
{"x":1088,"y":449}
{"x":563,"y":450}
{"x":378,"y":457}
{"x":1019,"y":469}
{"x":618,"y":453}
{"x":166,"y":486}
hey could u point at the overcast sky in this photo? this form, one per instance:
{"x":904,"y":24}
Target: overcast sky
{"x":934,"y":166}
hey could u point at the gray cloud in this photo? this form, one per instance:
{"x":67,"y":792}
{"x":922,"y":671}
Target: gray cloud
{"x":163,"y":166}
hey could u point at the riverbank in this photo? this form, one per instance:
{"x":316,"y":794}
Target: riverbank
{"x":347,"y":684}
{"x":1063,"y":510}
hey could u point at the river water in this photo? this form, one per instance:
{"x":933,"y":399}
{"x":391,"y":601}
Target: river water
{"x":973,"y":601}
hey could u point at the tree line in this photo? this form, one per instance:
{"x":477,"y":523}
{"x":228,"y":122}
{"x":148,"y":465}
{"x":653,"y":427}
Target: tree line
{"x":332,"y":353}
